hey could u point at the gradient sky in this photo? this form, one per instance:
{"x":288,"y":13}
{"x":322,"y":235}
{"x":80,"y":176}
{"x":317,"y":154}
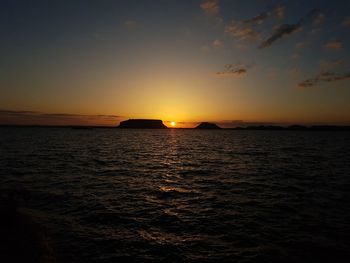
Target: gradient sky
{"x":230,"y":62}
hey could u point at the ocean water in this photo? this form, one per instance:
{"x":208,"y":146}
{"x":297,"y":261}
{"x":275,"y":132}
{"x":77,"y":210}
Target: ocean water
{"x":109,"y":195}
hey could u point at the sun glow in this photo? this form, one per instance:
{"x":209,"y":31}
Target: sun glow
{"x":173,"y":123}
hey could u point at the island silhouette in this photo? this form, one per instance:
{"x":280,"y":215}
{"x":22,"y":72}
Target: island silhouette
{"x":158,"y":124}
{"x":208,"y":126}
{"x":142,"y":124}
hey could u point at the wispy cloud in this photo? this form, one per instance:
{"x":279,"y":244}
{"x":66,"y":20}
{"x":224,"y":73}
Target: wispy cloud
{"x":272,"y":73}
{"x":301,"y":45}
{"x":327,"y":65}
{"x":205,"y":48}
{"x":294,"y":72}
{"x":17,"y":112}
{"x":217,"y":43}
{"x":287,"y":29}
{"x":327,"y":76}
{"x":259,"y":19}
{"x":295,"y":56}
{"x":247,"y":30}
{"x":131,"y":24}
{"x":242,"y":123}
{"x":333,"y":45}
{"x":242,"y":32}
{"x":280,"y":31}
{"x":346,"y":22}
{"x":211,"y":7}
{"x":232,"y":70}
{"x":35,"y":117}
{"x":319,"y":20}
{"x":279,"y":12}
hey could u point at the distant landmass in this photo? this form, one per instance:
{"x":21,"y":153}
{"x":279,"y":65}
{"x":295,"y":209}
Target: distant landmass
{"x":142,"y":124}
{"x":158,"y":124}
{"x":207,"y":126}
{"x":295,"y":128}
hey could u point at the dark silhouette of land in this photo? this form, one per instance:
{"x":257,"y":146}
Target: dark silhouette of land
{"x":159,"y":125}
{"x":295,"y":128}
{"x":208,"y":126}
{"x":142,"y":124}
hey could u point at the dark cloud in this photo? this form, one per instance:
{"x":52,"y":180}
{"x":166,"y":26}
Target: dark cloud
{"x":288,"y":29}
{"x":278,"y":12}
{"x":232,"y":70}
{"x":306,"y":84}
{"x":259,"y":19}
{"x":15,"y":112}
{"x":346,"y":22}
{"x":68,"y":115}
{"x":246,"y":30}
{"x":283,"y":30}
{"x":242,"y":123}
{"x":35,"y":117}
{"x":323,"y":77}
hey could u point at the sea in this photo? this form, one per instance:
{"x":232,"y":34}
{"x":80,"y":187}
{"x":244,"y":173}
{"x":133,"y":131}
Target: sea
{"x":180,"y":195}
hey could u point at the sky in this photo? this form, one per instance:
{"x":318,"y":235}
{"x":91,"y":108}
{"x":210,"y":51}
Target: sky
{"x":235,"y":63}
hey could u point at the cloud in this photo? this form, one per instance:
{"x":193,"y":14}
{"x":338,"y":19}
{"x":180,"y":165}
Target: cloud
{"x":319,"y":20}
{"x":14,"y":112}
{"x":205,"y":48}
{"x":232,"y":70}
{"x":327,"y":65}
{"x":346,"y":22}
{"x":41,"y":118}
{"x":279,"y":12}
{"x":259,"y":19}
{"x":242,"y":123}
{"x":333,"y":45}
{"x":326,"y":76}
{"x":306,"y":84}
{"x":295,"y":56}
{"x":131,"y":24}
{"x":242,"y":32}
{"x":211,"y":7}
{"x":217,"y":43}
{"x":287,"y":29}
{"x":272,"y":73}
{"x":294,"y":72}
{"x":315,"y":31}
{"x":283,"y":30}
{"x":246,"y":30}
{"x":301,"y":45}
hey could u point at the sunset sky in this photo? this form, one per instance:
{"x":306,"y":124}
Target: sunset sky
{"x":229,"y":62}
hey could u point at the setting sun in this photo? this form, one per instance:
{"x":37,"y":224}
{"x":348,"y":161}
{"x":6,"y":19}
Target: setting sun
{"x":173,"y":123}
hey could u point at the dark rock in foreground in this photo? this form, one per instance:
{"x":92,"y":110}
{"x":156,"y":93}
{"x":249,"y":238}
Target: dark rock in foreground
{"x":208,"y":126}
{"x":142,"y":124}
{"x":22,"y":239}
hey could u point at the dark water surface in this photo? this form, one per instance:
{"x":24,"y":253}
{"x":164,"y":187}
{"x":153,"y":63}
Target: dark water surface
{"x":107,"y":195}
